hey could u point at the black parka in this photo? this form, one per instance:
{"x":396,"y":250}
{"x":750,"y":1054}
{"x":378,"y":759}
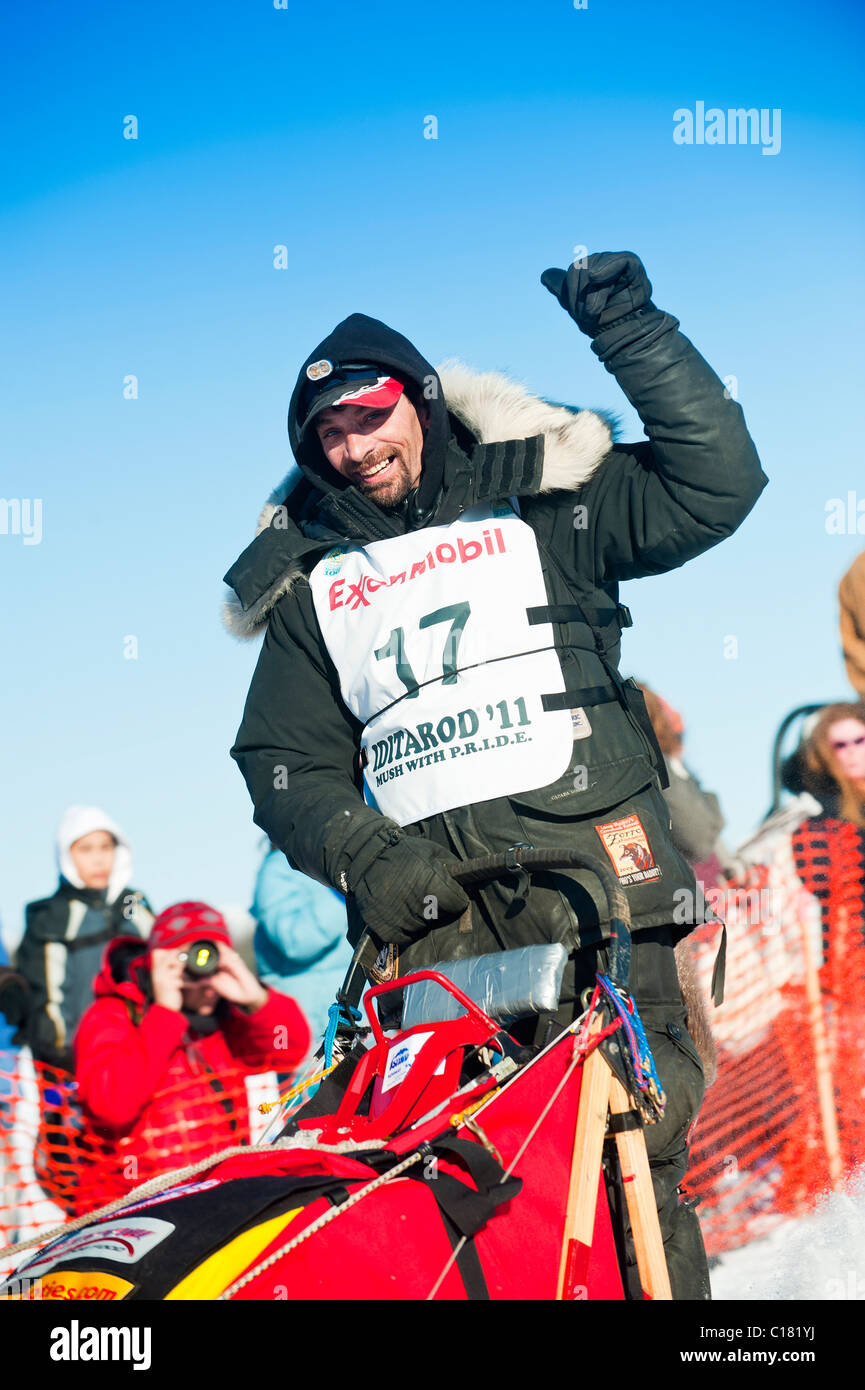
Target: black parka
{"x":649,"y":507}
{"x":60,"y":962}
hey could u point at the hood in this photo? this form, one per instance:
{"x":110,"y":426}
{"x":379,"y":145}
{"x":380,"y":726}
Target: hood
{"x":362,"y":339}
{"x":490,"y":406}
{"x":81,"y":820}
{"x":123,"y":971}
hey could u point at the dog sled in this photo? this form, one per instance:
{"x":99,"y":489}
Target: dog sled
{"x":428,"y":1156}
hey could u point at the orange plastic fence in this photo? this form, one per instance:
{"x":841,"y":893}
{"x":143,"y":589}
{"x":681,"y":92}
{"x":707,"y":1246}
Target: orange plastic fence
{"x":54,"y":1166}
{"x":784,"y":1121}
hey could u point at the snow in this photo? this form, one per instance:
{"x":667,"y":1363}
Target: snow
{"x":821,"y":1256}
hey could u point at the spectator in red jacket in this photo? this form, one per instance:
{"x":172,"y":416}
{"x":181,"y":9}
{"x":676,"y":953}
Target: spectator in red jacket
{"x":161,"y":1056}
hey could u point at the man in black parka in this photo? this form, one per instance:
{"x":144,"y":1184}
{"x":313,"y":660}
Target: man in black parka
{"x":449,"y":537}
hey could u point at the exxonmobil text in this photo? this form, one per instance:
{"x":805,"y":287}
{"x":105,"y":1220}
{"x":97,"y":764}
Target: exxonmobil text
{"x":346,"y":594}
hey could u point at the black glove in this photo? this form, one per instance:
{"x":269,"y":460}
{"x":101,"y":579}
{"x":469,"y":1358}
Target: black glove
{"x":405,"y":889}
{"x":610,"y":285}
{"x":14,"y":997}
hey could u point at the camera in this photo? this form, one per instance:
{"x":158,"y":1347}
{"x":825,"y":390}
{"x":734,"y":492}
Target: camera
{"x":200,"y":960}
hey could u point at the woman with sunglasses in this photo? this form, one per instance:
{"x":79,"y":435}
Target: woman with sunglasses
{"x":834,"y":762}
{"x":829,"y":853}
{"x":829,"y":848}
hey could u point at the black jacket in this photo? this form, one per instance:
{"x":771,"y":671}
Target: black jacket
{"x":649,"y":507}
{"x":60,"y":956}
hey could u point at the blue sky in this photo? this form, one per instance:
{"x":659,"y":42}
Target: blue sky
{"x":304,"y":128}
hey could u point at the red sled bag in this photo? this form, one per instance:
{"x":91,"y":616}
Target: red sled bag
{"x":447,"y":1233}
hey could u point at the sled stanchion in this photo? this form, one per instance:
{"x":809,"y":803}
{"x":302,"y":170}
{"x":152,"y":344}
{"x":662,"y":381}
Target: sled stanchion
{"x":585,"y":1167}
{"x":640,"y":1197}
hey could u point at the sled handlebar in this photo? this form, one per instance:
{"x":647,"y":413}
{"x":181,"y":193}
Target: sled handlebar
{"x":525,"y":859}
{"x":468,"y":1004}
{"x":521,"y":860}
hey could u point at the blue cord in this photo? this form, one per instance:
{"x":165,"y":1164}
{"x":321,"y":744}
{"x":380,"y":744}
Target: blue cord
{"x":638,"y":1044}
{"x":334,"y":1018}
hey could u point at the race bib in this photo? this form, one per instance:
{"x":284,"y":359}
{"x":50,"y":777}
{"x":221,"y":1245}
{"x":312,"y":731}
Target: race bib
{"x":436,"y":658}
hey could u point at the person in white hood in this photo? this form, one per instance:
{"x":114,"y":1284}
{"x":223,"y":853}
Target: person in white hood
{"x":65,"y":935}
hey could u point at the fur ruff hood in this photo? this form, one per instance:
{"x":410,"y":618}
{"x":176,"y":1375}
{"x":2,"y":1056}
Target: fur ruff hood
{"x":494,"y":408}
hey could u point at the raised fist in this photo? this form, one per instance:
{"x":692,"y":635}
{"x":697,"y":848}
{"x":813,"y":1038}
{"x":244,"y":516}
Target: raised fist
{"x":609,"y":285}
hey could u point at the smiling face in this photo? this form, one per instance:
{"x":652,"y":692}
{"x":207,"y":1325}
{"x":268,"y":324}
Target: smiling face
{"x":378,"y":450}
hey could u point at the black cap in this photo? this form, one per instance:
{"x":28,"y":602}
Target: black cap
{"x":348,"y":383}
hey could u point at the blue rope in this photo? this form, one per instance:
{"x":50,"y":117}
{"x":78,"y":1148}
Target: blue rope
{"x":645,"y":1071}
{"x":335,"y":1016}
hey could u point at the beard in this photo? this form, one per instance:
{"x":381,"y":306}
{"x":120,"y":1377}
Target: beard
{"x":395,"y":484}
